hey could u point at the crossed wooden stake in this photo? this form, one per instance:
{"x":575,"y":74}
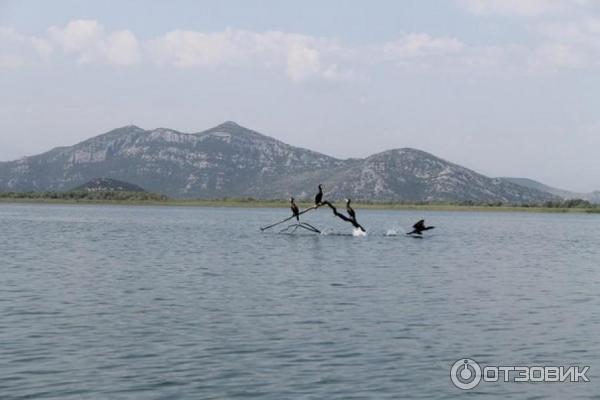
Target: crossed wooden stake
{"x":309,"y":227}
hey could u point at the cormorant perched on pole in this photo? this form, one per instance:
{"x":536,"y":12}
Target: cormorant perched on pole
{"x":349,"y":209}
{"x":351,"y":219}
{"x":419,"y":227}
{"x":319,"y":196}
{"x":294,"y":209}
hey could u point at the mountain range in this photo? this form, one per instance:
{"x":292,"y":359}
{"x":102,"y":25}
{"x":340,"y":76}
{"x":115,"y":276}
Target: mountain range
{"x":232,"y":161}
{"x":593,"y":197}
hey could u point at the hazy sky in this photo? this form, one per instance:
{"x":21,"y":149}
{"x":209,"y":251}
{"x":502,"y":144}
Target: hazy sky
{"x":506,"y":87}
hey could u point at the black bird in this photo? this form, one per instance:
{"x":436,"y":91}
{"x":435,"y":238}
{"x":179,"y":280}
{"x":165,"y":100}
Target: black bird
{"x":349,"y":209}
{"x":419,"y":227}
{"x":319,"y":196}
{"x":295,"y":209}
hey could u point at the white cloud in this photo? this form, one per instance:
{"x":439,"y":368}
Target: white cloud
{"x":79,"y":36}
{"x":88,"y":41}
{"x":302,"y":62}
{"x":524,"y":8}
{"x":17,"y":49}
{"x":565,"y":34}
{"x":122,"y":48}
{"x":414,"y":52}
{"x":300,"y":56}
{"x":555,"y":56}
{"x":572,"y":44}
{"x":552,"y":47}
{"x":414,"y":45}
{"x":191,"y":48}
{"x":584,"y":31}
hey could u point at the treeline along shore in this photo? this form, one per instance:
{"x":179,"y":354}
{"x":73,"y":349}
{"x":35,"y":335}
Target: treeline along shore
{"x":147,"y":198}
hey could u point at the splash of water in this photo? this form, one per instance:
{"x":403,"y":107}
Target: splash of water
{"x":391,"y":232}
{"x":358,"y":232}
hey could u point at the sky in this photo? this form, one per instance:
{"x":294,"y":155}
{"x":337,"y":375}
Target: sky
{"x":505,"y":87}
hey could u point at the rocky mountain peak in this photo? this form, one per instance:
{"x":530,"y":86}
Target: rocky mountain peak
{"x":234,"y":129}
{"x":230,"y":160}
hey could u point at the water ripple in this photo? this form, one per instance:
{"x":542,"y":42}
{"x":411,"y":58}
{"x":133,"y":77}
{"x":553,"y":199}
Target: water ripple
{"x":188,"y":303}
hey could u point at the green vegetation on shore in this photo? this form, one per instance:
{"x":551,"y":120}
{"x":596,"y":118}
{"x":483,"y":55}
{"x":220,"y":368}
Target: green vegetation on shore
{"x":144,"y":198}
{"x":75,"y":196}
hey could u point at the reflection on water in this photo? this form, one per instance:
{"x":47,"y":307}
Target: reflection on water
{"x":159,"y":302}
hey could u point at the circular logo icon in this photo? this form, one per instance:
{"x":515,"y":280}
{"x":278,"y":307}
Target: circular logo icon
{"x":465,"y":374}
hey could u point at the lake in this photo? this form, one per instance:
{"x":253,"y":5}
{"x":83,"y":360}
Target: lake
{"x":126,"y":302}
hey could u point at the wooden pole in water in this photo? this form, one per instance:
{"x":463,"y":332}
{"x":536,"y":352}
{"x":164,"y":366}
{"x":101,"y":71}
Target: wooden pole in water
{"x":353,"y":221}
{"x":293,"y":216}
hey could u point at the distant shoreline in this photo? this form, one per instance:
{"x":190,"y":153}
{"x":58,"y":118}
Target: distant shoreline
{"x":284,"y":204}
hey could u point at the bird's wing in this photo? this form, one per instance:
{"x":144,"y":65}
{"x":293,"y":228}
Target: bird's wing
{"x":420,"y":224}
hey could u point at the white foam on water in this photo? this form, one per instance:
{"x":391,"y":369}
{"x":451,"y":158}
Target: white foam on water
{"x":391,"y":232}
{"x":357,"y":232}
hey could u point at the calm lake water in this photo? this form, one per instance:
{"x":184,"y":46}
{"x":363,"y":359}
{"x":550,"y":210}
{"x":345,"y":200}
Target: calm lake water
{"x":107,"y":302}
